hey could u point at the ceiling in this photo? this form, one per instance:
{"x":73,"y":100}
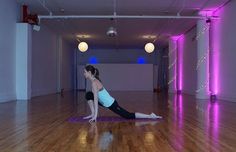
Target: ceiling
{"x":132,"y":33}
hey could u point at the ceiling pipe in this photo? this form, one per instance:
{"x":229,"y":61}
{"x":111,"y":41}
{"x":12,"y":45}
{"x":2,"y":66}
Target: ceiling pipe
{"x":120,"y":17}
{"x":43,"y":4}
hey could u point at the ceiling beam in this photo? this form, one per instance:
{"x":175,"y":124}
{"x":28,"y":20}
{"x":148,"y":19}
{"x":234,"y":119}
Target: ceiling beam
{"x":120,"y":17}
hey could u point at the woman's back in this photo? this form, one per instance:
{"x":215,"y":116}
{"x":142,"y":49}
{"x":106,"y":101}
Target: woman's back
{"x":98,"y":84}
{"x":103,"y":96}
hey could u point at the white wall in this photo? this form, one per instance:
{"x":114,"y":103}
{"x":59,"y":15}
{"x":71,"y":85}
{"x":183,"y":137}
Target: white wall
{"x":189,"y":62}
{"x":67,"y":66}
{"x":117,"y":56}
{"x":81,"y":82}
{"x":23,"y":61}
{"x":124,"y":56}
{"x":125,"y":77}
{"x":44,"y":72}
{"x":45,"y":63}
{"x":9,"y":11}
{"x":223,"y":38}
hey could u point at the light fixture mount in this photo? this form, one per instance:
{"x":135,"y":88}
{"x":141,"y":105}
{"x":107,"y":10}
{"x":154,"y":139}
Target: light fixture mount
{"x":111,"y":32}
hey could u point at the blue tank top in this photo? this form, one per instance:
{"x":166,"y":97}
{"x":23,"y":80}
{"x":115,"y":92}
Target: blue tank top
{"x":104,"y":98}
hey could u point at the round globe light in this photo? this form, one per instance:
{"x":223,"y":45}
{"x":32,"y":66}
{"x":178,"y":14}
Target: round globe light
{"x":149,"y":47}
{"x":83,"y":46}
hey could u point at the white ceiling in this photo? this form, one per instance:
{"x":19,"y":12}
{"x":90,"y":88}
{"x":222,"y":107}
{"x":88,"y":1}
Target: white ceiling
{"x":130,"y":31}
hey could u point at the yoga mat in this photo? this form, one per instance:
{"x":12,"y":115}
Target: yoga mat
{"x":110,"y":119}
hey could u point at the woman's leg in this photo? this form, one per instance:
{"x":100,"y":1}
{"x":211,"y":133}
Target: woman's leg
{"x":121,"y":111}
{"x":128,"y":115}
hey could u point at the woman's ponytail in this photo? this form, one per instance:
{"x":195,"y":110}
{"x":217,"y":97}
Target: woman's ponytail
{"x":96,"y":74}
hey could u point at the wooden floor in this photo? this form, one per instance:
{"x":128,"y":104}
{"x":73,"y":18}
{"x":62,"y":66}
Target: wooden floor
{"x":41,"y":125}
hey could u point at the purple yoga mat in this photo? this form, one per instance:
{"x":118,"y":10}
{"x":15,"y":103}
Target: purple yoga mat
{"x":109,"y":119}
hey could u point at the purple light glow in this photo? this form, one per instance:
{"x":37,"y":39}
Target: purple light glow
{"x":175,"y":107}
{"x":180,"y":99}
{"x":175,"y":38}
{"x":178,"y":140}
{"x":207,"y":13}
{"x":180,"y":62}
{"x":216,"y":119}
{"x":215,"y":49}
{"x":213,"y":119}
{"x":179,"y":65}
{"x":178,"y":109}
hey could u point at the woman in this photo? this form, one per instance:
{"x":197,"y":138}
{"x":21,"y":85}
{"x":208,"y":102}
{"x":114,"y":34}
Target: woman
{"x":99,"y":95}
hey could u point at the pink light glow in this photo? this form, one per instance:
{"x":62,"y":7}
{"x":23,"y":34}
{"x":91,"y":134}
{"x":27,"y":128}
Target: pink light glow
{"x":175,"y":37}
{"x":180,"y":62}
{"x":216,"y":119}
{"x":178,"y":109}
{"x":215,"y":38}
{"x":213,"y":120}
{"x":178,"y":140}
{"x":215,"y":41}
{"x":180,"y":105}
{"x":176,"y":71}
{"x":176,"y":52}
{"x":207,"y":13}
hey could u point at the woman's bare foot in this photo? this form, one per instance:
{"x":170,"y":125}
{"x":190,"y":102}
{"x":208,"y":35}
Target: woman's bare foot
{"x":154,"y":116}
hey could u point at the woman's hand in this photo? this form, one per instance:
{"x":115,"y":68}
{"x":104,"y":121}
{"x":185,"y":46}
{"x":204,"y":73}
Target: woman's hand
{"x":87,"y":117}
{"x":93,"y":119}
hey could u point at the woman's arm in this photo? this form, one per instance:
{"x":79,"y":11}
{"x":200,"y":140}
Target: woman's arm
{"x":95,"y":94}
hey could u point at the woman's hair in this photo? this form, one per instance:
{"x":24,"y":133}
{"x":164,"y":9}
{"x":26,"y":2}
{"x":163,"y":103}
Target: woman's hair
{"x":93,"y":71}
